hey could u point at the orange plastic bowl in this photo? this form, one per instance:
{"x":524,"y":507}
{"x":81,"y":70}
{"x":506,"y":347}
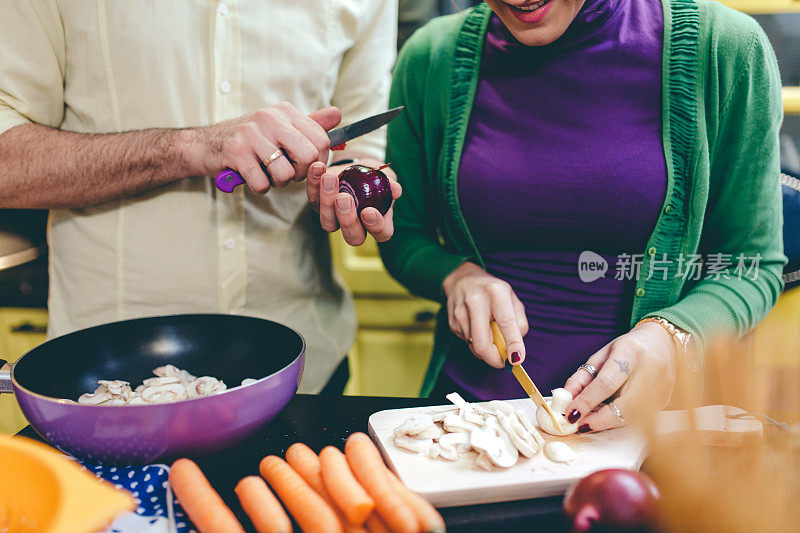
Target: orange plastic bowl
{"x":42,"y":490}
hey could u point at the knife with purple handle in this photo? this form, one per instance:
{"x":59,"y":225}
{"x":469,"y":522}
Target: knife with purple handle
{"x":228,"y":179}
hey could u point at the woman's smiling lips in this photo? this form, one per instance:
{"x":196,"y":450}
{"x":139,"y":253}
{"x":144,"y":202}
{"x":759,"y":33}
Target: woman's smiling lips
{"x":530,"y":12}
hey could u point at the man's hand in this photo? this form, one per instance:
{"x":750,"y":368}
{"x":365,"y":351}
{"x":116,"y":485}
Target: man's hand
{"x":243,"y":144}
{"x":338,"y":210}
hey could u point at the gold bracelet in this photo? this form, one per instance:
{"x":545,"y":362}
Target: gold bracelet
{"x":684,"y":339}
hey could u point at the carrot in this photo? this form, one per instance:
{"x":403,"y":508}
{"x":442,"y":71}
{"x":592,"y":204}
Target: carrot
{"x":375,"y":524}
{"x":199,"y":499}
{"x":263,"y":508}
{"x":428,"y":516}
{"x":307,"y":507}
{"x":371,"y":472}
{"x":306,"y":463}
{"x":349,"y":496}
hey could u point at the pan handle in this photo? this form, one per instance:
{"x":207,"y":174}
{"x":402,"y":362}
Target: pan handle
{"x":5,"y":377}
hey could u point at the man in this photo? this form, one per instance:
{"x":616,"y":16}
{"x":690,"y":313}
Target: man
{"x":136,"y":226}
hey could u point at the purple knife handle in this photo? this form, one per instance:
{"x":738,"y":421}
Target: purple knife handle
{"x":227,"y":180}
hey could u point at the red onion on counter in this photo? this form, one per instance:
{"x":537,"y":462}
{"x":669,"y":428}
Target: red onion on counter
{"x":613,"y":500}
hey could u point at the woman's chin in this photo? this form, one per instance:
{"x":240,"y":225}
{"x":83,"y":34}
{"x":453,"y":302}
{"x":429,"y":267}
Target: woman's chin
{"x":541,"y":26}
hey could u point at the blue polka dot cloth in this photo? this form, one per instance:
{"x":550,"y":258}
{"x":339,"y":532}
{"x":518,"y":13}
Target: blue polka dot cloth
{"x":157,"y":509}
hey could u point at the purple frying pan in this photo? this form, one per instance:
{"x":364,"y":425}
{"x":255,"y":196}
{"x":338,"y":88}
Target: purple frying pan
{"x":231,"y":348}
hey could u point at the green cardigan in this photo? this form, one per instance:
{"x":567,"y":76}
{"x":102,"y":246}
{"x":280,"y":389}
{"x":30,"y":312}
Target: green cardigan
{"x":721,"y":117}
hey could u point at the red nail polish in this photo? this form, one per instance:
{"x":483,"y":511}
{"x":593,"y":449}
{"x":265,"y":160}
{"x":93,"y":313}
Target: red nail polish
{"x":515,"y":358}
{"x":584,"y":428}
{"x":573,"y":416}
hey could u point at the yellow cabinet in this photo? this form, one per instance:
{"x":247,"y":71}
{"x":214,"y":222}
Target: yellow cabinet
{"x":395,"y":330}
{"x":20,"y":331}
{"x":764,"y":7}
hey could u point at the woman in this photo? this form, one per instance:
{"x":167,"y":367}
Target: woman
{"x":542,"y":140}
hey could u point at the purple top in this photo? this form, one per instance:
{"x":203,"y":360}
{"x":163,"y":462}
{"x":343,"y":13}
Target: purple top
{"x":563,"y":154}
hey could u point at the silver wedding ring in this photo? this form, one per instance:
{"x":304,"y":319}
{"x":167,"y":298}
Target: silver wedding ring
{"x":617,"y":412}
{"x":591,"y":369}
{"x":275,"y":155}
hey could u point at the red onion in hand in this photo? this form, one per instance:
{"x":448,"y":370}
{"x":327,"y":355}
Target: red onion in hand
{"x":613,"y":500}
{"x":368,"y":186}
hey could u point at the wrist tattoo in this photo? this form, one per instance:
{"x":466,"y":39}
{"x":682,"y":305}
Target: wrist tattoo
{"x":625,"y":366}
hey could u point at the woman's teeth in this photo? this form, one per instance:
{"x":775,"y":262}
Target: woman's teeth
{"x":532,"y":7}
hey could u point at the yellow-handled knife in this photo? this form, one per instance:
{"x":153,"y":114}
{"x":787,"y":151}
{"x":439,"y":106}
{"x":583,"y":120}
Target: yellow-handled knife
{"x":522,"y":376}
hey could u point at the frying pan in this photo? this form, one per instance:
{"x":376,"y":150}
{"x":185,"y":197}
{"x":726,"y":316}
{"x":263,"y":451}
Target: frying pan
{"x":231,"y":348}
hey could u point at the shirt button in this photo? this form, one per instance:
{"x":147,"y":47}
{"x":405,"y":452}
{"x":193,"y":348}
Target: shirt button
{"x":222,"y":9}
{"x":230,"y":244}
{"x":225,"y":87}
{"x":668,"y":209}
{"x":639,"y":292}
{"x":651,"y":251}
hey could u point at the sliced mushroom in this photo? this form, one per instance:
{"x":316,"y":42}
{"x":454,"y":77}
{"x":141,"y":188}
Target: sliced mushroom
{"x":562,"y":398}
{"x":171,"y":392}
{"x":521,"y":439}
{"x":434,"y":432}
{"x":137,"y":400}
{"x":205,"y":386}
{"x":248,"y":381}
{"x":559,"y":452}
{"x":446,"y":453}
{"x":158,"y":382}
{"x":96,"y":398}
{"x":530,"y":428}
{"x":491,"y":424}
{"x":456,"y":423}
{"x":499,"y":406}
{"x":457,"y":399}
{"x":415,"y":424}
{"x":499,"y":449}
{"x":484,"y":462}
{"x":459,"y":441}
{"x":421,"y":446}
{"x":438,"y":416}
{"x":116,"y":387}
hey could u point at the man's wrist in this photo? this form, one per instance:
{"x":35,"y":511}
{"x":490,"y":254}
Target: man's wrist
{"x":192,"y":149}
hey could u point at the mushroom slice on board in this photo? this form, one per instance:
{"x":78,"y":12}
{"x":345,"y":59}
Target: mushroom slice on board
{"x":459,"y":441}
{"x":530,"y":428}
{"x":445,"y":452}
{"x":407,"y":442}
{"x":415,"y":424}
{"x":559,"y":452}
{"x":434,"y":432}
{"x":499,"y":406}
{"x":499,"y":449}
{"x":520,"y":438}
{"x":440,"y":415}
{"x":456,"y":423}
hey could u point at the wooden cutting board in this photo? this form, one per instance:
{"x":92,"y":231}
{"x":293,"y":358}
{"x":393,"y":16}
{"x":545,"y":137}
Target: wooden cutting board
{"x":451,"y":484}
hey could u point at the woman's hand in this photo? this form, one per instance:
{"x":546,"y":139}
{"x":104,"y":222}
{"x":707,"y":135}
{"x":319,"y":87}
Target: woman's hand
{"x":474,"y":299}
{"x":338,"y":210}
{"x":640,"y":364}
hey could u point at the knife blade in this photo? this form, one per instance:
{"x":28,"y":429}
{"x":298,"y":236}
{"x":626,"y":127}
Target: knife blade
{"x":522,"y":376}
{"x":228,"y":179}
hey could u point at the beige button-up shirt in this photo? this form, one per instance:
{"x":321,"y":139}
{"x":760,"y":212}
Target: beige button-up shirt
{"x":96,"y":66}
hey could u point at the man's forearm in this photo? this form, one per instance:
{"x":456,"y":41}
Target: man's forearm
{"x":42,"y":167}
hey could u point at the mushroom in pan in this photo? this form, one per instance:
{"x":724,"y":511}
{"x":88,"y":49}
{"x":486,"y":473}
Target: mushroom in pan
{"x":171,"y":392}
{"x":558,"y":404}
{"x":205,"y":386}
{"x":248,"y":381}
{"x":98,"y":397}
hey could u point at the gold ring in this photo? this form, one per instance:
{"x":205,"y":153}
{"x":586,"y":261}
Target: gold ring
{"x":275,"y":155}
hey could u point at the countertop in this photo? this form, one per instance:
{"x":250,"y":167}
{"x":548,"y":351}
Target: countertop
{"x":319,"y":421}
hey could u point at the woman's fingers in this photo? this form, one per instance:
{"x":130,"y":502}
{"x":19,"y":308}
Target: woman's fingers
{"x":522,"y":316}
{"x":480,"y":318}
{"x":328,"y":190}
{"x":604,"y":417}
{"x":352,"y":230}
{"x":461,"y":316}
{"x":506,"y":318}
{"x":578,"y":381}
{"x":612,"y":375}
